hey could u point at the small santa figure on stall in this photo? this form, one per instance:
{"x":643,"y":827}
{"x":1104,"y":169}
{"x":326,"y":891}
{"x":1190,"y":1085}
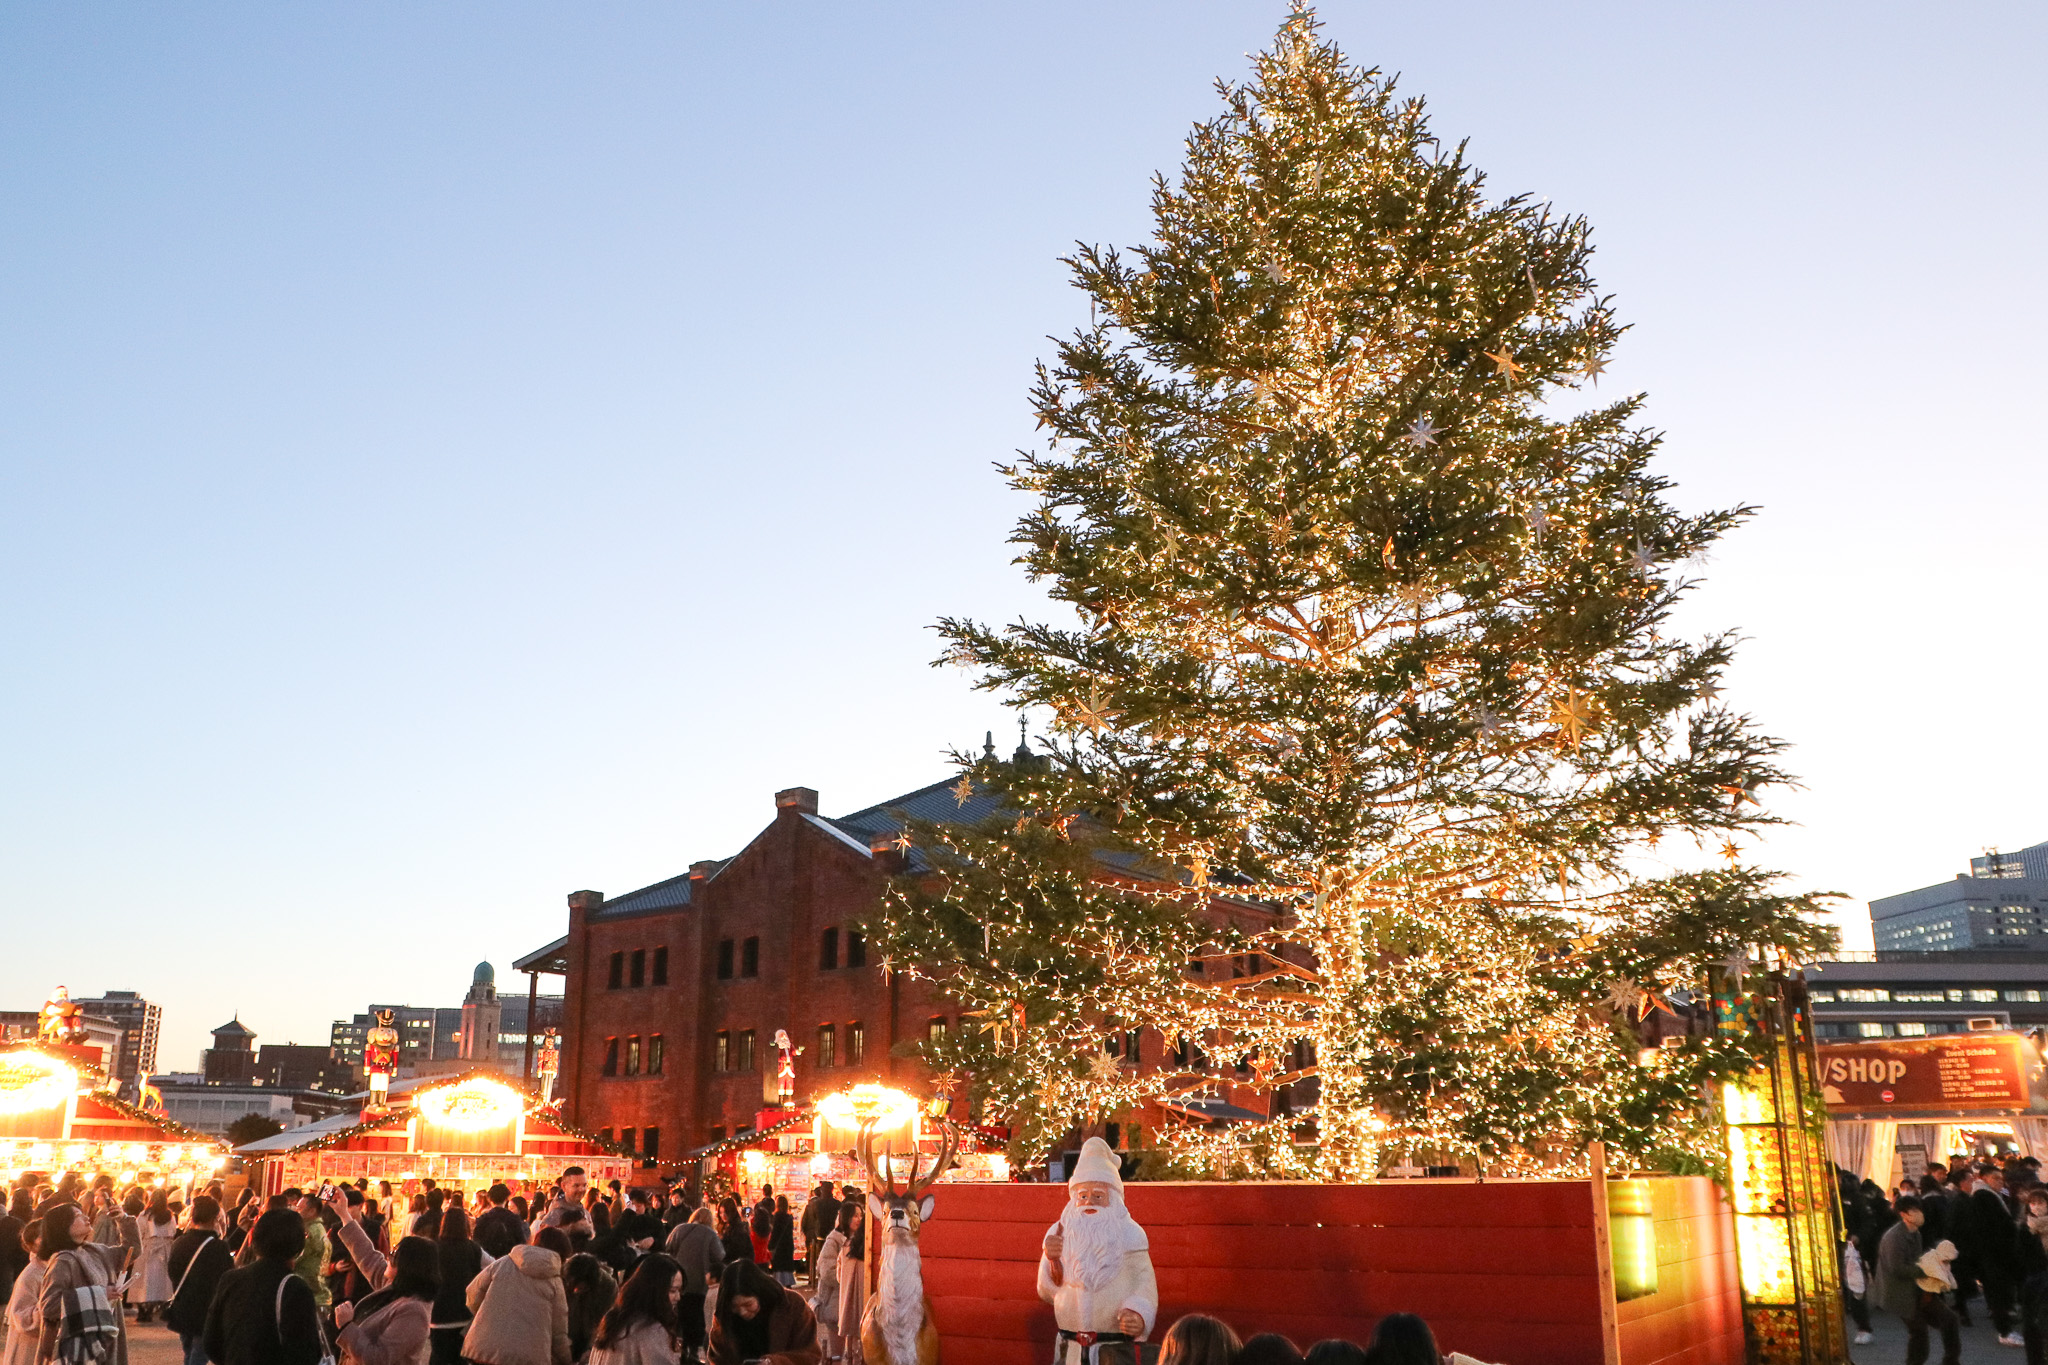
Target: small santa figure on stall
{"x":61,"y":1020}
{"x":380,"y":1058}
{"x":550,"y":1064}
{"x":1096,"y":1270}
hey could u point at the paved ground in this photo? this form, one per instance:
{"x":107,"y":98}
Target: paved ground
{"x":152,"y":1343}
{"x":1888,"y":1344}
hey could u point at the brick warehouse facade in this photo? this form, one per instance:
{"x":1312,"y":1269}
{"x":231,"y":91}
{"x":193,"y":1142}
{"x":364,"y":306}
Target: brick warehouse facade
{"x":674,"y":992}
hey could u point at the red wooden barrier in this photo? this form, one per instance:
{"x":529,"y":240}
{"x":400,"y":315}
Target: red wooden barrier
{"x":1505,"y":1271}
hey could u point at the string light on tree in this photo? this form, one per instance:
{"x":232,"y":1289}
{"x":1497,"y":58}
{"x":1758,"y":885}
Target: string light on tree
{"x":1296,"y":715}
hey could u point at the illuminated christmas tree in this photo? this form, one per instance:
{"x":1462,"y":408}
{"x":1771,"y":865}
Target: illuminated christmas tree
{"x":1371,"y":599}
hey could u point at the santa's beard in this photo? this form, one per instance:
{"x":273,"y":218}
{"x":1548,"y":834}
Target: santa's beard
{"x":1093,"y":1244}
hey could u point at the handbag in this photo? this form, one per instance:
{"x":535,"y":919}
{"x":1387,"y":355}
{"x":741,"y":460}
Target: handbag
{"x":326,"y":1351}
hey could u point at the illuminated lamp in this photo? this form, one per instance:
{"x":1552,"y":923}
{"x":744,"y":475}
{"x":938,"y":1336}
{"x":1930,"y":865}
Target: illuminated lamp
{"x":137,"y":1153}
{"x":754,"y":1160}
{"x":821,"y":1164}
{"x":30,"y":1081}
{"x":473,"y":1105}
{"x":868,"y":1103}
{"x":999,"y":1166}
{"x":128,"y":1177}
{"x":76,"y":1153}
{"x":40,"y":1153}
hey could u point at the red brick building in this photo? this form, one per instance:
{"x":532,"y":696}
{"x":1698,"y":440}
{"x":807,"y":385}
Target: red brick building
{"x":674,"y":992}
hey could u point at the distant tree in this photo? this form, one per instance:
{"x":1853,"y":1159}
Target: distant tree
{"x":252,"y":1128}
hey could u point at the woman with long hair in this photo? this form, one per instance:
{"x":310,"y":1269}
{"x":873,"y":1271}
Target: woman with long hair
{"x":733,"y":1231}
{"x":156,"y":1229}
{"x":641,"y":1328}
{"x":72,"y":1261}
{"x":759,"y":1319}
{"x":831,"y":1262}
{"x":853,"y":1280}
{"x":393,"y":1325}
{"x":462,"y":1260}
{"x":782,"y":1243}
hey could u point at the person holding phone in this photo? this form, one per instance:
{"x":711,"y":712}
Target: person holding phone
{"x":760,"y":1321}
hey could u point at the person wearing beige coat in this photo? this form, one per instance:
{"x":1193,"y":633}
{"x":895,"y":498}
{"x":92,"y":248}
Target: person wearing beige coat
{"x":522,"y":1314}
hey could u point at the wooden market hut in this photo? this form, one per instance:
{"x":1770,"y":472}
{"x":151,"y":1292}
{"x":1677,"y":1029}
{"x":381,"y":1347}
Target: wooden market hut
{"x":461,"y":1132}
{"x":60,"y":1115}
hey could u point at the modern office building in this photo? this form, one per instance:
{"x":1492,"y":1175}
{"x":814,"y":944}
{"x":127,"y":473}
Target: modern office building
{"x":1914,"y":994}
{"x":2001,"y":905}
{"x":141,"y":1026}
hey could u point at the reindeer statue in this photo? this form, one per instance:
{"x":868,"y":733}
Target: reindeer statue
{"x":897,"y":1328}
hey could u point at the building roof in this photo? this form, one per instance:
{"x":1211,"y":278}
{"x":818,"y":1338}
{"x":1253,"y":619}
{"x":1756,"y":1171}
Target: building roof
{"x":234,"y":1028}
{"x":672,"y":894}
{"x":552,"y":959}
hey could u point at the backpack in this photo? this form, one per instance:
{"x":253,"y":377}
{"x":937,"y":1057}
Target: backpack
{"x":91,"y":1325}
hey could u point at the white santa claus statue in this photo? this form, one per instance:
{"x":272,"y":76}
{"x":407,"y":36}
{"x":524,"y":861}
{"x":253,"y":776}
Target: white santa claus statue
{"x":1096,"y":1269}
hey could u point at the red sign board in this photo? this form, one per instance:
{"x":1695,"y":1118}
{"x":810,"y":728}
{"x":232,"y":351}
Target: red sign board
{"x":1950,"y":1073}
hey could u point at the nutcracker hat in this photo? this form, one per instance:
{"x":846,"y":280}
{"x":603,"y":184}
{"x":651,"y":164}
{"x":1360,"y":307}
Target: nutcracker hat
{"x":1097,"y":1162}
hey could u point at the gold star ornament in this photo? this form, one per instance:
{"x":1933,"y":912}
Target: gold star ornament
{"x":1504,"y":363}
{"x":1103,"y":1067}
{"x":1575,"y":715}
{"x":963,"y":790}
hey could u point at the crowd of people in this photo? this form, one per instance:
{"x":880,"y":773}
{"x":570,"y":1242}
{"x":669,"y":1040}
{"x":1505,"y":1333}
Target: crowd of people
{"x":1966,"y":1231}
{"x":358,"y":1275}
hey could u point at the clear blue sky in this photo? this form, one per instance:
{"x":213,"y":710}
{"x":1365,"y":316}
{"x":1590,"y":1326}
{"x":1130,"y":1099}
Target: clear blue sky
{"x":453,"y":455}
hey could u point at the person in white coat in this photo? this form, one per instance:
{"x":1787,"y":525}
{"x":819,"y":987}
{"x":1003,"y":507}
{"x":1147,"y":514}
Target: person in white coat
{"x":1096,"y":1263}
{"x":25,"y":1308}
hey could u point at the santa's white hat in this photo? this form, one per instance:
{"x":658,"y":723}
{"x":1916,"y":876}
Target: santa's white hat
{"x":1097,"y":1162}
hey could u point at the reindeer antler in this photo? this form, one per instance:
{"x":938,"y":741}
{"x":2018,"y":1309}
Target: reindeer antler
{"x":882,"y":1178}
{"x":949,"y":1143}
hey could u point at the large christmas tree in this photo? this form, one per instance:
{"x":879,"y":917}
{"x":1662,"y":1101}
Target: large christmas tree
{"x":1370,"y":691}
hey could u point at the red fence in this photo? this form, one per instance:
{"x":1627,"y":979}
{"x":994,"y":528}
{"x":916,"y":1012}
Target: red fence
{"x":1505,"y":1271}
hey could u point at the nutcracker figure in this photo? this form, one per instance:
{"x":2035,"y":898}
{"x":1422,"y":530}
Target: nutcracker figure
{"x":550,"y":1064}
{"x":380,"y":1058}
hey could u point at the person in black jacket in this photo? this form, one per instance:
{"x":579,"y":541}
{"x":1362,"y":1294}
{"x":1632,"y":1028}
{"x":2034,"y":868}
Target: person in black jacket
{"x":1991,"y":1227}
{"x":782,"y":1243}
{"x":461,"y":1260}
{"x":199,"y":1259}
{"x":13,"y":1252}
{"x":262,"y":1314}
{"x":498,"y":1229}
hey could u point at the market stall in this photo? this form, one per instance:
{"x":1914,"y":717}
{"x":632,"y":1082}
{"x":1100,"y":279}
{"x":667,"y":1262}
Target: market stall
{"x":1895,"y":1104}
{"x":59,"y":1116}
{"x":466,"y":1132}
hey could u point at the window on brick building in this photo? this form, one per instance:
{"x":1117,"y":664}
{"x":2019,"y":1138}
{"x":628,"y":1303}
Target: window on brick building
{"x":618,"y":972}
{"x":828,"y":950}
{"x":828,"y":1037}
{"x":935,"y":1028}
{"x":661,"y":966}
{"x":611,"y":1056}
{"x":750,"y":957}
{"x":725,"y":959}
{"x":856,"y":948}
{"x":626,"y":1136}
{"x":743,"y":1051}
{"x":638,"y":976}
{"x":650,"y":1143}
{"x":856,"y":1043}
{"x":633,"y":1055}
{"x":653,"y":1056}
{"x":721,"y":1058}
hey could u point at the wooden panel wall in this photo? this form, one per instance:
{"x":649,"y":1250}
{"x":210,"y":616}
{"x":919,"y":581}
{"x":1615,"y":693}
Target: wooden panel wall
{"x":1503,"y":1271}
{"x":1695,"y":1317}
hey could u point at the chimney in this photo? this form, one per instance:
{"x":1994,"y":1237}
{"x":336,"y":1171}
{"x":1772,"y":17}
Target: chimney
{"x":699,"y":871}
{"x":800,"y":799}
{"x":888,"y":858}
{"x":585,"y":901}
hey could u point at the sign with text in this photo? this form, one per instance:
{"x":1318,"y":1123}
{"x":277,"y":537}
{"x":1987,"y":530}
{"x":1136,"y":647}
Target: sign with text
{"x":1958,"y":1073}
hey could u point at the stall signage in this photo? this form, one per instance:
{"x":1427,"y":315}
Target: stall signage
{"x":1948,"y":1073}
